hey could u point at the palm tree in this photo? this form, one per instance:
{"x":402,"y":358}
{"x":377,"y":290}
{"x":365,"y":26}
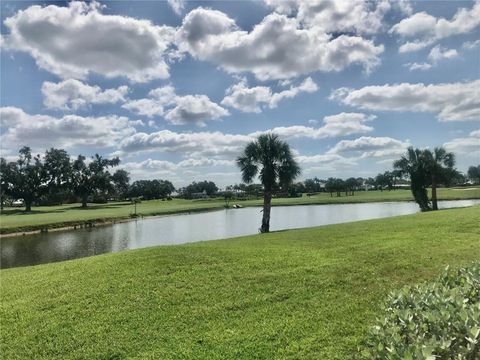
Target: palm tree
{"x":439,"y":164}
{"x":413,"y":164}
{"x":271,"y":159}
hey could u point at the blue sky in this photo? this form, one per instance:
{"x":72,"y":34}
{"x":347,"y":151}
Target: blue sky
{"x":176,"y":88}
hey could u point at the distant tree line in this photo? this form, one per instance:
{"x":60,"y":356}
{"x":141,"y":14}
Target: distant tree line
{"x":198,"y":190}
{"x":55,"y":179}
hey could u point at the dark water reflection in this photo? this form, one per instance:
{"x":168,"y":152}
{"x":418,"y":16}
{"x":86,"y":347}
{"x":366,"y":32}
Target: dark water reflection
{"x":179,"y":229}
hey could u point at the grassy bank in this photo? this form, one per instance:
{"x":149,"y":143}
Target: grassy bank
{"x":300,"y":294}
{"x":15,"y":220}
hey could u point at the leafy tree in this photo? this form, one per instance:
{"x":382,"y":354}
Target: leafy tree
{"x":228,"y":196}
{"x":92,"y":178}
{"x":208,"y":187}
{"x":6,"y":171}
{"x":25,"y":177}
{"x":330,"y":186}
{"x":396,"y":176}
{"x":439,"y":166}
{"x":413,"y":164}
{"x":339,"y":185}
{"x":312,"y":185}
{"x":272,"y":160}
{"x":151,"y":189}
{"x":351,"y":184}
{"x":370,"y":182}
{"x":293,"y":190}
{"x":58,"y":169}
{"x":121,"y":183}
{"x":380,"y":181}
{"x":474,"y":174}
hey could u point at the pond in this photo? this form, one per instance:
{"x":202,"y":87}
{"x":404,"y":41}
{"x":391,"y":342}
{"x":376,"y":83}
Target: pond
{"x":179,"y":229}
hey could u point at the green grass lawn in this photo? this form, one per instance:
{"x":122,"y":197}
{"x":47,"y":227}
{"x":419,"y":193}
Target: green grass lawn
{"x":299,"y":294}
{"x":13,"y":220}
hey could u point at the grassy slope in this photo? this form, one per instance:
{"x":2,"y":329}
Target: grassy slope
{"x":309,"y":293}
{"x":15,"y":220}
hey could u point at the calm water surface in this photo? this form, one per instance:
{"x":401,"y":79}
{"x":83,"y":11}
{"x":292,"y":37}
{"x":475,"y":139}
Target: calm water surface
{"x":179,"y":229}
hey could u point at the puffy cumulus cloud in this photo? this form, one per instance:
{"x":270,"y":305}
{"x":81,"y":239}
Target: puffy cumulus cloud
{"x":452,"y":102}
{"x":246,"y":99}
{"x":199,"y":144}
{"x":436,"y":54}
{"x":439,"y":53}
{"x":276,"y":48}
{"x":155,"y":105}
{"x":354,"y":16}
{"x":218,"y":144}
{"x":308,"y":86}
{"x":177,"y":6}
{"x":342,"y":124}
{"x":178,"y":110}
{"x":76,"y":40}
{"x":467,"y":145}
{"x":150,"y":167}
{"x":426,"y":29}
{"x":43,"y":131}
{"x":194,"y":109}
{"x":72,"y":94}
{"x":367,"y":146}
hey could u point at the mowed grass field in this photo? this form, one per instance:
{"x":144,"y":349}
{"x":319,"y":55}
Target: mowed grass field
{"x":299,"y":294}
{"x":15,"y":220}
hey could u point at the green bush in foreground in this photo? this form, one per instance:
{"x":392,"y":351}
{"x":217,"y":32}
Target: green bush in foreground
{"x":439,"y":320}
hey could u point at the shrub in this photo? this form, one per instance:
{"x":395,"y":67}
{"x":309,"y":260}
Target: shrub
{"x":436,"y":320}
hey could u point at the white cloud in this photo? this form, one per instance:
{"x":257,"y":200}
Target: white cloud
{"x":439,"y":53}
{"x":155,"y":105}
{"x":199,"y":144}
{"x":243,"y":98}
{"x":76,"y":40}
{"x":43,"y":131}
{"x":308,"y":86}
{"x":72,"y":94}
{"x":342,"y":124}
{"x":426,"y":29}
{"x":470,"y":45}
{"x":178,"y":110}
{"x":146,"y":107}
{"x":149,"y":168}
{"x":177,"y":6}
{"x":331,"y":160}
{"x":215,"y":144}
{"x":468,"y":145}
{"x":436,"y":54}
{"x":194,"y":109}
{"x":276,"y":48}
{"x":452,"y":102}
{"x":418,"y":66}
{"x":356,"y":16}
{"x":366,"y":147}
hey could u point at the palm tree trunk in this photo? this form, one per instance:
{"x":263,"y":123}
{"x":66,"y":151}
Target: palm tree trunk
{"x":267,"y":205}
{"x":434,"y":194}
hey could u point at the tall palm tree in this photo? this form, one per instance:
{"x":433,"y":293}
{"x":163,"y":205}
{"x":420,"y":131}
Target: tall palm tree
{"x":439,"y":164}
{"x":271,"y":159}
{"x":413,"y":164}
